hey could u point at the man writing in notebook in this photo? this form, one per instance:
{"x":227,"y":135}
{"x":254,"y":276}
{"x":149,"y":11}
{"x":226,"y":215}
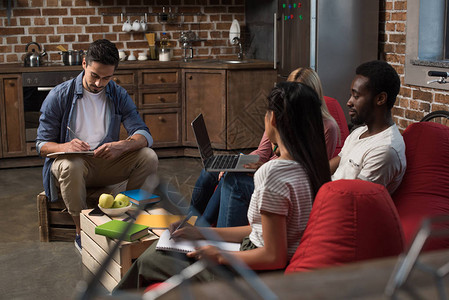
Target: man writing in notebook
{"x":83,"y":114}
{"x":375,"y":151}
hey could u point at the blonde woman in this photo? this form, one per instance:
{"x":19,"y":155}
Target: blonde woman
{"x":310,"y":78}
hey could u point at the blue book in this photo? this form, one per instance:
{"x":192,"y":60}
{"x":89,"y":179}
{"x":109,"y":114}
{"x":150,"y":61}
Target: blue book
{"x":141,"y":197}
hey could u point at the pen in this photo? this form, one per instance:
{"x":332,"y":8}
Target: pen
{"x":73,"y":132}
{"x":183,"y":222}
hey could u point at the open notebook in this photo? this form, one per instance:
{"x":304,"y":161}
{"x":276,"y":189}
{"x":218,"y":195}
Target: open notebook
{"x":186,"y":246}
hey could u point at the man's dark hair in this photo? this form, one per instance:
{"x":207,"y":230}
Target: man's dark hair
{"x":382,"y":78}
{"x":104,"y":52}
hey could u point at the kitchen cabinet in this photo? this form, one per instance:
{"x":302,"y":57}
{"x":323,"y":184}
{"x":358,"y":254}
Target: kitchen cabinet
{"x":12,"y":122}
{"x":205,"y":92}
{"x":168,"y":96}
{"x":160,"y":105}
{"x":233,"y":103}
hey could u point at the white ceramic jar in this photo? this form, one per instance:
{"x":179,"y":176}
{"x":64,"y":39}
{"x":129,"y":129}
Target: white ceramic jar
{"x":142,"y":56}
{"x":122,"y":55}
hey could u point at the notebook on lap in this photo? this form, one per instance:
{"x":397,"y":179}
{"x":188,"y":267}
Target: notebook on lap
{"x":221,"y":162}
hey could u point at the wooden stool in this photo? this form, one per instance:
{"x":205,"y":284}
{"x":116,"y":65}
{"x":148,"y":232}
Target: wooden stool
{"x":55,"y":222}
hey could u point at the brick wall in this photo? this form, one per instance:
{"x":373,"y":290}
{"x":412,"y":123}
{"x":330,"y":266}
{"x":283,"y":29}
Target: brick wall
{"x":76,"y":23}
{"x":413,"y":102}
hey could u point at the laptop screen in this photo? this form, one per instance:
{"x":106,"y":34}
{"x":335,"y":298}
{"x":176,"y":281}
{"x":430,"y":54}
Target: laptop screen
{"x":202,"y":138}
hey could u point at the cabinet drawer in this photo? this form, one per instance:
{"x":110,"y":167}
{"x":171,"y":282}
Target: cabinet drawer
{"x":159,"y":98}
{"x":168,"y":77}
{"x":165,"y":127}
{"x":124,"y":78}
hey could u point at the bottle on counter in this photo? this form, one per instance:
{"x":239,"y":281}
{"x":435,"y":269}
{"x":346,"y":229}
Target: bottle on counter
{"x":164,"y":50}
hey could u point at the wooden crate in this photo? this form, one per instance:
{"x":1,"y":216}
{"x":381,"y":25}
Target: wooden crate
{"x":96,"y":248}
{"x":56,"y":224}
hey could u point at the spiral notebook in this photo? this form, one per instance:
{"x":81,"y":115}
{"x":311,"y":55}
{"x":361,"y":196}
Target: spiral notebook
{"x":185,"y":246}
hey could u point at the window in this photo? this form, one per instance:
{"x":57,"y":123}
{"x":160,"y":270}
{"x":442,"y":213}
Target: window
{"x":427,"y":45}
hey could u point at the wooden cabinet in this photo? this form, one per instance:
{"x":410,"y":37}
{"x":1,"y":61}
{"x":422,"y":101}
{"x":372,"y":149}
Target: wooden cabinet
{"x":160,"y":105}
{"x":167,"y":96}
{"x":205,"y":92}
{"x":233,"y":103}
{"x":12,"y":117}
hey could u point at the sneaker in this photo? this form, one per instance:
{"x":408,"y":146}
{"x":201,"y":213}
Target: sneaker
{"x":78,"y":242}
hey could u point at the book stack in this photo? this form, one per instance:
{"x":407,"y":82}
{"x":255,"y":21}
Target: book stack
{"x":141,"y":198}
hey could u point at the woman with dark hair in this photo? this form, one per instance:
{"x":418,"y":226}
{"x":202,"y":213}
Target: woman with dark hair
{"x":281,"y":202}
{"x":227,"y":205}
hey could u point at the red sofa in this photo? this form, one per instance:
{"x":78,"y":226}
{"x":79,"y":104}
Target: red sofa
{"x":424,"y":190}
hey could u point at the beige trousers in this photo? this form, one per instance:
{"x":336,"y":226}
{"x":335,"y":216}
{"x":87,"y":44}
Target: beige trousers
{"x":75,"y":173}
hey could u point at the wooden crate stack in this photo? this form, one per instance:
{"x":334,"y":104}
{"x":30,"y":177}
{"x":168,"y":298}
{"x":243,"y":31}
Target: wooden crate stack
{"x":97,"y":247}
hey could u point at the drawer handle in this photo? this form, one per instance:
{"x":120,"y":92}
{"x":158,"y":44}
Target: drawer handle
{"x":116,"y":80}
{"x":161,"y":79}
{"x":162,"y":99}
{"x":161,"y":119}
{"x":190,"y":77}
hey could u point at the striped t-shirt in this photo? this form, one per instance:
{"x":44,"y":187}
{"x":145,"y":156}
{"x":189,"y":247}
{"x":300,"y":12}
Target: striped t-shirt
{"x":281,"y":187}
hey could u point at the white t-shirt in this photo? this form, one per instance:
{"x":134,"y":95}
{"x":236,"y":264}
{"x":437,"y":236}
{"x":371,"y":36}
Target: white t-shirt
{"x":281,"y":187}
{"x":379,"y":158}
{"x":90,"y":121}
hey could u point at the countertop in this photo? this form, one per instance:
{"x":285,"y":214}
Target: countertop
{"x":9,"y":68}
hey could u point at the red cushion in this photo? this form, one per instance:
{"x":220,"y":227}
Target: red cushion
{"x":351,"y":220}
{"x":424,"y":190}
{"x":336,"y":111}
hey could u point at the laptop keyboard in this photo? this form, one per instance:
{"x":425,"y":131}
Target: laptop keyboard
{"x":224,"y":161}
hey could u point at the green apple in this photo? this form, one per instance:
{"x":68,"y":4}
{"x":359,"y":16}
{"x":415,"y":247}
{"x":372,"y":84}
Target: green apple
{"x":123,"y":198}
{"x":106,"y":200}
{"x":119,"y":203}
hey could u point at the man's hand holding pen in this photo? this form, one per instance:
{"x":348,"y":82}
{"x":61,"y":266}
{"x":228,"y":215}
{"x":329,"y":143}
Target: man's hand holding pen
{"x":76,"y":144}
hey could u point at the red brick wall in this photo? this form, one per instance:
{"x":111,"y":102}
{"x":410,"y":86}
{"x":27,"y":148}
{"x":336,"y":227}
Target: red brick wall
{"x":413,"y":102}
{"x":76,"y":23}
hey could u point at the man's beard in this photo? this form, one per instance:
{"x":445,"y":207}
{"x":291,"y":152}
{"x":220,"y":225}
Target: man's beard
{"x":356,"y":120}
{"x":91,"y":90}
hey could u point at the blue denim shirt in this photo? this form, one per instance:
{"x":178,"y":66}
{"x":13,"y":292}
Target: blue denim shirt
{"x":58,"y":111}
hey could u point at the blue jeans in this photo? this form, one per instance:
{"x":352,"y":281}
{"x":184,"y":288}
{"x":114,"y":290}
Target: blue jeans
{"x":236,"y":191}
{"x":205,"y":197}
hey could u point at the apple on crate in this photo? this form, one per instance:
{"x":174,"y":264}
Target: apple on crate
{"x":106,"y":200}
{"x":120,"y":201}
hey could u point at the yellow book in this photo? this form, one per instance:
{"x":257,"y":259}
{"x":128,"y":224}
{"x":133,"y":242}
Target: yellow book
{"x":161,"y":221}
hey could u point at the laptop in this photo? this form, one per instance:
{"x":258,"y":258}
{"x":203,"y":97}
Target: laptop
{"x":221,"y":162}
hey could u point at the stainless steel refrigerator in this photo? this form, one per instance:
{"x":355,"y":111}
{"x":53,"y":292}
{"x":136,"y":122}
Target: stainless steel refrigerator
{"x":331,"y":36}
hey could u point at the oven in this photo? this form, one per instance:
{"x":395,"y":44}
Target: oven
{"x":36,"y":86}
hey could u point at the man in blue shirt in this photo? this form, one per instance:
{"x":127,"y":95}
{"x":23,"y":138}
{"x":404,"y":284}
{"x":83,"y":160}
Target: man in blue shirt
{"x":83,"y":114}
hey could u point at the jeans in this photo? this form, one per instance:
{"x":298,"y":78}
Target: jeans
{"x":202,"y":194}
{"x":236,"y":191}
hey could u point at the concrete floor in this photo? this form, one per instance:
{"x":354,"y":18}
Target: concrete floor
{"x":30,"y":269}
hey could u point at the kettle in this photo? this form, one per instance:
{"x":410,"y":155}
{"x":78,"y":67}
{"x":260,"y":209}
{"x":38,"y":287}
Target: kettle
{"x":33,"y":58}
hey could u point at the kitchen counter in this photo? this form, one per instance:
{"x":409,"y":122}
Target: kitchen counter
{"x":147,"y":64}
